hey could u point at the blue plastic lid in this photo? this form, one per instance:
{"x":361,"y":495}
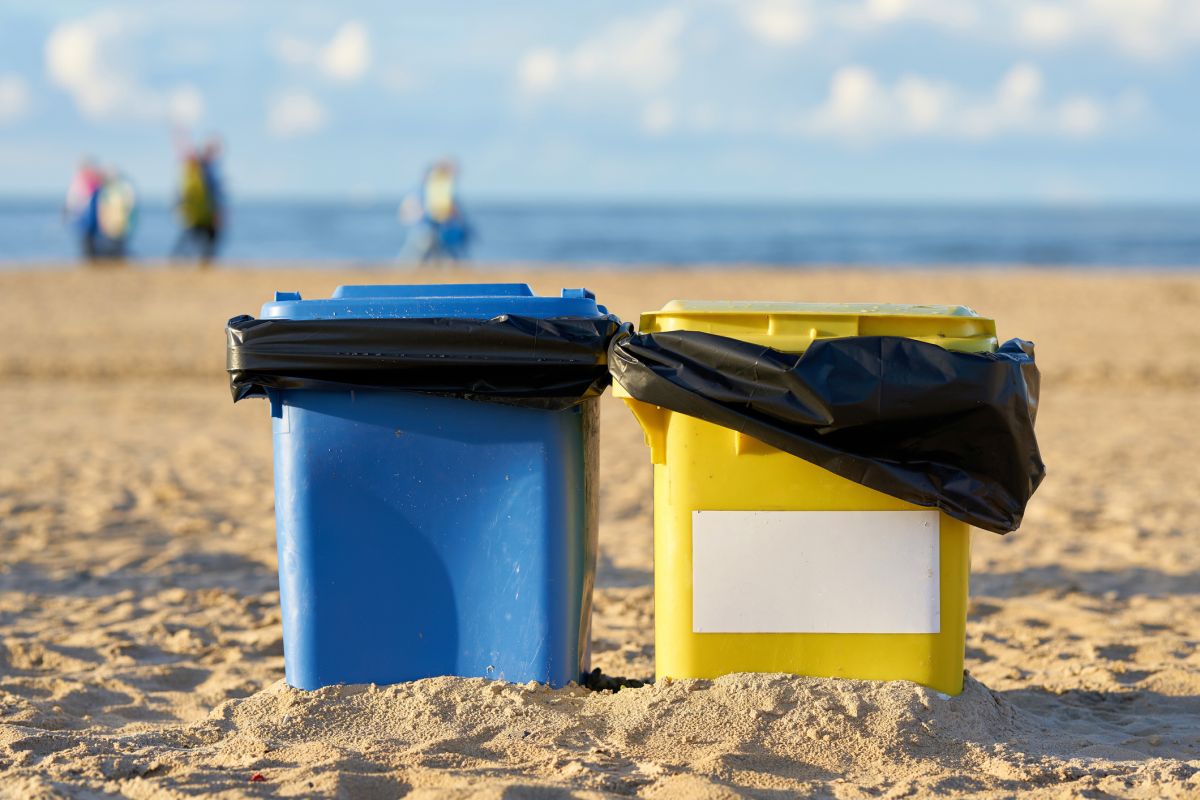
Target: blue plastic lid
{"x":464,"y":300}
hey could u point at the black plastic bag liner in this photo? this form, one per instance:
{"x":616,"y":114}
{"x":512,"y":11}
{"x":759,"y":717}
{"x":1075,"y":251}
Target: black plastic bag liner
{"x":935,"y":428}
{"x":544,"y":363}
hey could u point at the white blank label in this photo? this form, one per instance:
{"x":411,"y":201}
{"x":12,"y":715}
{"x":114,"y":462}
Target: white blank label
{"x":815,"y":572}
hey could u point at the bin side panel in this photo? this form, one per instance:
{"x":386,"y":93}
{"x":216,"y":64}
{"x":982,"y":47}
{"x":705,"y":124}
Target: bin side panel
{"x":422,"y":536}
{"x":703,"y":471}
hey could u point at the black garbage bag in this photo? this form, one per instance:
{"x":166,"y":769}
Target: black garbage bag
{"x":544,"y":363}
{"x":935,"y":428}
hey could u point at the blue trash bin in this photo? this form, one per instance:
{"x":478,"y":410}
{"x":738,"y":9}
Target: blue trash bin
{"x":423,"y":535}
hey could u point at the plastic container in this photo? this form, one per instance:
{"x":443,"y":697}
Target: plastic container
{"x":764,"y":562}
{"x":423,"y":535}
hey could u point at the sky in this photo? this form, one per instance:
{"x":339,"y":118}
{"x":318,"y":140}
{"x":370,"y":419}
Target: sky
{"x":1054,"y":101}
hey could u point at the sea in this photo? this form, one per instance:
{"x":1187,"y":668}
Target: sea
{"x":634,"y":234}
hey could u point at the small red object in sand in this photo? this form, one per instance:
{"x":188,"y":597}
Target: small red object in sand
{"x":257,"y":778}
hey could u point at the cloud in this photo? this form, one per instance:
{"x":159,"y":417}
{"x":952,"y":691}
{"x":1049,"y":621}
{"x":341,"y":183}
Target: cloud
{"x":85,"y":57}
{"x":346,"y":57}
{"x":539,"y":69}
{"x":658,"y":117}
{"x":1143,"y":29}
{"x":185,"y":105}
{"x":1043,"y":23}
{"x":871,"y":14}
{"x":14,"y":98}
{"x":294,"y":113}
{"x":855,"y":104}
{"x":859,"y":107}
{"x":348,"y":53}
{"x":638,"y":54}
{"x":1080,"y":116}
{"x":777,"y":22}
{"x":924,"y":103}
{"x":789,"y":22}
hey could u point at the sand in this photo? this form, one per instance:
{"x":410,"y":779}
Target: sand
{"x":141,"y":647}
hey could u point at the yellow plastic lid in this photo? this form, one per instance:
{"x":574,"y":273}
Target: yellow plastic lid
{"x":791,"y":327}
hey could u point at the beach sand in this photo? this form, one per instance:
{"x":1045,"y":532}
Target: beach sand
{"x":141,"y":647}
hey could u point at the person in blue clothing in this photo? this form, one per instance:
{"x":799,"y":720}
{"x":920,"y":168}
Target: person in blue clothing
{"x":102,"y":207}
{"x":434,"y":215}
{"x":80,"y":208}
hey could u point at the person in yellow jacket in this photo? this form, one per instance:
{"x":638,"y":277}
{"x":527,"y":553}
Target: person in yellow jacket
{"x":438,"y":227}
{"x":200,"y":203}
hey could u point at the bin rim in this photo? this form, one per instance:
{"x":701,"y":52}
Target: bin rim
{"x":717,"y":307}
{"x":433,"y":300}
{"x":793,"y":327}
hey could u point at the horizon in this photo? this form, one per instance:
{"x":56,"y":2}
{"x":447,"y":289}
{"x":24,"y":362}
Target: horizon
{"x":639,"y":232}
{"x":674,"y":202}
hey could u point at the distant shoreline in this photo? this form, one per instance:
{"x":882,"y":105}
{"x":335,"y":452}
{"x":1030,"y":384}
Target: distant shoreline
{"x":438,"y":273}
{"x":632,"y":235}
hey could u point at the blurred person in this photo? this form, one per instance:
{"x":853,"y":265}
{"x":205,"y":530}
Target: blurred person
{"x":201,"y":201}
{"x":80,"y":207}
{"x":116,"y":214}
{"x":434,"y":215}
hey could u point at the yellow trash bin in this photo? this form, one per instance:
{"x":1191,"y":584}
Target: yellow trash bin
{"x":764,"y":562}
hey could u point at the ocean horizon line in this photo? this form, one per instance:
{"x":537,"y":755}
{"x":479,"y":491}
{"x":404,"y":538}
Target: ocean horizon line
{"x":333,"y":231}
{"x":18,"y":199}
